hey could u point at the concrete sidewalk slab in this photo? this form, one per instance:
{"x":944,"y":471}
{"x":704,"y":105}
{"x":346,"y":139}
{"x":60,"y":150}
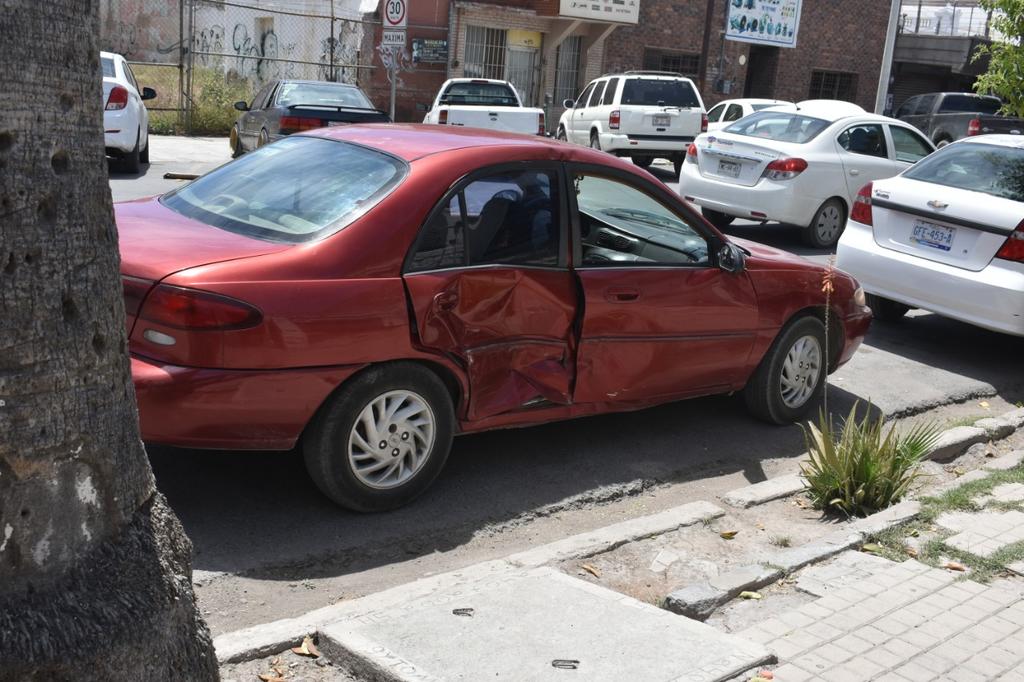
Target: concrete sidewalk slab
{"x":518,"y":625}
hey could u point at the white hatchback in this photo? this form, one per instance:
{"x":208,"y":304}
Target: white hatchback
{"x":946,"y":236}
{"x":125,"y":117}
{"x":801,"y":167}
{"x":731,"y":110}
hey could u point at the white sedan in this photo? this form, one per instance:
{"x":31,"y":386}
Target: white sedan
{"x":946,"y":236}
{"x":125,"y":118}
{"x":801,"y":167}
{"x":730,"y":110}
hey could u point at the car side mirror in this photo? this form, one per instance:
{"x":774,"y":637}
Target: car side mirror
{"x":148,"y":93}
{"x":731,"y":258}
{"x":568,"y":103}
{"x":241,"y":106}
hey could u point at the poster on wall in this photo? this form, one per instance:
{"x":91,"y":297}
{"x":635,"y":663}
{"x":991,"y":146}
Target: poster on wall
{"x":764,"y":22}
{"x":619,"y":11}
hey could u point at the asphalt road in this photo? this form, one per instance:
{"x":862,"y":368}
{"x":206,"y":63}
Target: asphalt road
{"x":267,"y":545}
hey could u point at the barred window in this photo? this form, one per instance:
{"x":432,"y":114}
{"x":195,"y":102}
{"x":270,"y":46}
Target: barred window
{"x":567,"y":68}
{"x":833,"y":85}
{"x":485,"y":53}
{"x":685,"y":63}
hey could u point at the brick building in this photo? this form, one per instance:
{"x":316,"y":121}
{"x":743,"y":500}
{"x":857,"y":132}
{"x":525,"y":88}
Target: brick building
{"x":550,"y":54}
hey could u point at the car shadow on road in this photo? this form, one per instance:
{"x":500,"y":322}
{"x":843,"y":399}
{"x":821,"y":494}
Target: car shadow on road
{"x":114,"y":170}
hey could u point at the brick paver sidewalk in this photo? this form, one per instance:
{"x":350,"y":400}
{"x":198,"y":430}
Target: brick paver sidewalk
{"x":907,"y":623}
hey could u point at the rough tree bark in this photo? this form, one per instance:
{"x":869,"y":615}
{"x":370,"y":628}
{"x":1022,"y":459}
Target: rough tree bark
{"x":95,"y":572}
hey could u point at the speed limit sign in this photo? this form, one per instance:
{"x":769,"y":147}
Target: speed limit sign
{"x":396,"y":13}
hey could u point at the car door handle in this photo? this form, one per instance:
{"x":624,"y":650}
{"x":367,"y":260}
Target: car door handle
{"x":446,"y":301}
{"x":854,"y":172}
{"x":622,"y":295}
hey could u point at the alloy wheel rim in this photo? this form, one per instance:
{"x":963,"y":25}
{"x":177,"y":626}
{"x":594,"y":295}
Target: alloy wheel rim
{"x":800,"y":371}
{"x":391,"y":439}
{"x":828,"y":223}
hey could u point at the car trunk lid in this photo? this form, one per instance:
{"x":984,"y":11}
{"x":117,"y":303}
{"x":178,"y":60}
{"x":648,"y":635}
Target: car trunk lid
{"x":297,"y":118}
{"x":958,"y":227}
{"x":736,"y":159}
{"x":507,"y":119}
{"x":660,"y":121}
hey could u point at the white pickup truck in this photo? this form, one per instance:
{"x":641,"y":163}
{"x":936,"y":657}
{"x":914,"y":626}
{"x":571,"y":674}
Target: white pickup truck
{"x":484,"y":103}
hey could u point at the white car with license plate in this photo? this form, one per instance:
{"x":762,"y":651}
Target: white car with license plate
{"x":724,"y":113}
{"x":946,"y":236}
{"x":125,"y":117}
{"x":484,"y":103}
{"x":800,"y":167}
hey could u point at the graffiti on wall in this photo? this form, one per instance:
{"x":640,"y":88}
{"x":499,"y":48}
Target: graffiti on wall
{"x":343,"y":48}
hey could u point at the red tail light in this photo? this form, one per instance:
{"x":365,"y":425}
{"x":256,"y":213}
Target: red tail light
{"x":117,"y":99}
{"x":191,"y":309}
{"x":691,"y":153}
{"x":703,"y":123}
{"x":785,"y":169}
{"x":614,"y":119}
{"x":862,"y":206}
{"x":974,"y":127}
{"x":135,"y":290}
{"x":1013,"y":247}
{"x":442,"y":117}
{"x":296,"y":124}
{"x":541,"y":128}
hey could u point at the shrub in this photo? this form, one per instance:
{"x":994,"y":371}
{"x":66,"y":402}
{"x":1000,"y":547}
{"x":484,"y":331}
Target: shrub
{"x":214,"y":95}
{"x":862,"y":467}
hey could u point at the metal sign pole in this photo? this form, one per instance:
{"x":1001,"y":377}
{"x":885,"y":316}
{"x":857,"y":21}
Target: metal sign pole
{"x":394,"y":82}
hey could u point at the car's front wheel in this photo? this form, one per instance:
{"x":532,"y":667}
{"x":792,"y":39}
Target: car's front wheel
{"x":826,"y":226}
{"x":382,"y":439}
{"x":718,"y":219}
{"x":235,"y":142}
{"x":560,"y":135}
{"x":886,"y":310}
{"x":791,"y":376}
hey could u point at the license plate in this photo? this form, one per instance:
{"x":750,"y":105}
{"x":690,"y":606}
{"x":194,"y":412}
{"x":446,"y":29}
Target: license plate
{"x":661,"y":120}
{"x":932,"y":235}
{"x":729,"y":168}
{"x":331,"y":124}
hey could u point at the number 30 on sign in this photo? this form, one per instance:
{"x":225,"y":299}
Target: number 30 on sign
{"x":396,"y":13}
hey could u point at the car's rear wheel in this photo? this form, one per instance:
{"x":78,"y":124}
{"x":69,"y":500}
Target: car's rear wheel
{"x":885,"y":309}
{"x":677,"y":164}
{"x":382,"y":439}
{"x":643,"y":161}
{"x":144,"y":154}
{"x":791,"y":376}
{"x":595,"y":141}
{"x":236,"y":143}
{"x":560,"y":135}
{"x":131,"y":161}
{"x":718,"y":219}
{"x":263,"y":139}
{"x":942,"y":142}
{"x":826,"y":226}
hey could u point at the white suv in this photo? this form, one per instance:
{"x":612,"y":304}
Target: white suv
{"x":125,"y":118}
{"x":644,"y":115}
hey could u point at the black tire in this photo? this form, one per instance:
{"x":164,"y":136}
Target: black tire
{"x":719,"y":220}
{"x":595,"y":141}
{"x":942,"y":142}
{"x":325,"y":443}
{"x":131,"y":161}
{"x":235,"y":141}
{"x":263,"y":139}
{"x":144,"y":154}
{"x":827,"y":225}
{"x":560,"y":135}
{"x":886,"y":310}
{"x":643,"y":161}
{"x":763,"y":393}
{"x":677,"y":164}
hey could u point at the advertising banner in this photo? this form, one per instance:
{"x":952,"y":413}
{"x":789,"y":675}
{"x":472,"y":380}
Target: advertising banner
{"x":764,"y":22}
{"x":620,"y":11}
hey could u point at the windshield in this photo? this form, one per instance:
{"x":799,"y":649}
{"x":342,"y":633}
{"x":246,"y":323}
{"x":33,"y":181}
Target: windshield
{"x":108,"y":67}
{"x":294,"y":190}
{"x":970,"y":103}
{"x":480,"y":95}
{"x":991,"y":169}
{"x":653,"y":92}
{"x":779,"y":125}
{"x":322,"y":94}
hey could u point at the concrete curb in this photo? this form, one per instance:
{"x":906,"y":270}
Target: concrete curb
{"x":765,"y":491}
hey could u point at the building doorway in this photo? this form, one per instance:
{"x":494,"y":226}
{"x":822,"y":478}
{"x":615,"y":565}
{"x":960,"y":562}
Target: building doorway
{"x":762,"y":67}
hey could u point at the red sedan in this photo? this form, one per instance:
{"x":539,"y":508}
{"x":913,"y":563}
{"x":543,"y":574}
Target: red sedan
{"x":371,"y":291}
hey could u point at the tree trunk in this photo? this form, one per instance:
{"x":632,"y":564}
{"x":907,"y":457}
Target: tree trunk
{"x":95,"y":570}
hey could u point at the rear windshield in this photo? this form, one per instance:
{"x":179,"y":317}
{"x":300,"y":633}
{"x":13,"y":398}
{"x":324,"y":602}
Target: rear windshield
{"x":987,"y":168}
{"x":970,"y":103}
{"x":108,"y":67}
{"x":779,"y":125}
{"x":263,"y":195}
{"x":759,"y":107}
{"x":321,"y":94}
{"x":480,"y":95}
{"x":666,"y":93}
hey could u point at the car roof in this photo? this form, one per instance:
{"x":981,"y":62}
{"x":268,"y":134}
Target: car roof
{"x":110,"y":55}
{"x":753,"y":100}
{"x":314,"y":82}
{"x":477,"y":80}
{"x":411,"y":141}
{"x":1000,"y":139}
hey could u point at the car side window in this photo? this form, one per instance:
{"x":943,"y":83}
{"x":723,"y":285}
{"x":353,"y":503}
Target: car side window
{"x":609,"y":92}
{"x":716,"y":113}
{"x":907,"y":108}
{"x":597,"y":94}
{"x":261,"y":97}
{"x":866,"y":138}
{"x":734,"y":113}
{"x":509,"y":217}
{"x":621,"y":225}
{"x":581,"y":101}
{"x":908,"y":145}
{"x":925,"y":104}
{"x":131,"y":77}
